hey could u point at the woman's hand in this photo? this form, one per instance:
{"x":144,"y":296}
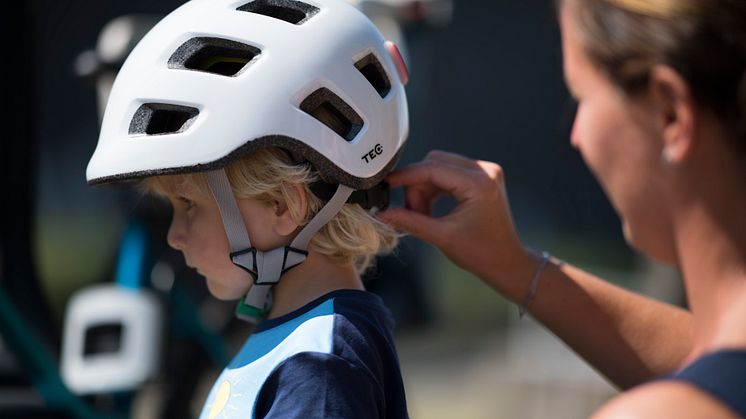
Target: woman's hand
{"x":478,"y":235}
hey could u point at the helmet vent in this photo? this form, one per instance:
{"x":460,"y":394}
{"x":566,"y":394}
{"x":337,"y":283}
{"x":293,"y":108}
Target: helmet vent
{"x":290,"y":11}
{"x":332,"y":111}
{"x":213,"y":55}
{"x":373,"y":71}
{"x":162,"y":118}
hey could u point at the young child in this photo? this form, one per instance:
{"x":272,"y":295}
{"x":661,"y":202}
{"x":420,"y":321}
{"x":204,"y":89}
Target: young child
{"x":270,"y":125}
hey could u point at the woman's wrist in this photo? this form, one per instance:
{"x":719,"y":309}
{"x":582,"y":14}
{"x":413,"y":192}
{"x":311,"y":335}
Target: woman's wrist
{"x":534,"y":283}
{"x":511,"y":275}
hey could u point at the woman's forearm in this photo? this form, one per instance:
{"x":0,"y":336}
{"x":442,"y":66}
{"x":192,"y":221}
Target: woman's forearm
{"x":627,"y":337}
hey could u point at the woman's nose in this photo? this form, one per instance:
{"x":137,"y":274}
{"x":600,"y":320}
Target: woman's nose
{"x":575,"y":131}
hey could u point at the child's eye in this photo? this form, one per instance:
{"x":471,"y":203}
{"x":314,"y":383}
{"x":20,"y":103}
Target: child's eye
{"x":187,"y":202}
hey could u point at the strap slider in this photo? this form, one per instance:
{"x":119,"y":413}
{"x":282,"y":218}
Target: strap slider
{"x":293,"y":257}
{"x":246,"y":260}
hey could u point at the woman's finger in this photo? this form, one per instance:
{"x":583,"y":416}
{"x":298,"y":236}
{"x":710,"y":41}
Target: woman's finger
{"x":433,"y":176}
{"x":419,"y":225}
{"x":452,"y":159}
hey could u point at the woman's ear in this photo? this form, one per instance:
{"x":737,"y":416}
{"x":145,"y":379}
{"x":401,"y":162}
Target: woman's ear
{"x":676,"y":113}
{"x":288,"y":219}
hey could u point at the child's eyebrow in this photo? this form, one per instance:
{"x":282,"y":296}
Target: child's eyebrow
{"x":163,"y":187}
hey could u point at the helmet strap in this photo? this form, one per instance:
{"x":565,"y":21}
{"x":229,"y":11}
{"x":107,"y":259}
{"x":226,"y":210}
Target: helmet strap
{"x":266,"y":268}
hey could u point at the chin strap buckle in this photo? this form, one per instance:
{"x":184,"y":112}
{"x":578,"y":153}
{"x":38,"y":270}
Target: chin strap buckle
{"x":249,"y":313}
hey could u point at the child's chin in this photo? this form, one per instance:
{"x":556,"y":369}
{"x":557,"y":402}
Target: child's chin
{"x":221,"y":292}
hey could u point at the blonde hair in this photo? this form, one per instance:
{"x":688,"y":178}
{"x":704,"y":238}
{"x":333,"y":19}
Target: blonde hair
{"x":703,"y":40}
{"x":353,"y":236}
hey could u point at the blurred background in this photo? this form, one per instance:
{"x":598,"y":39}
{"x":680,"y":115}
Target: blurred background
{"x":485,"y":81}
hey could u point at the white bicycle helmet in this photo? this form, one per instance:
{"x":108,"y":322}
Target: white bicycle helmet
{"x":216,"y":79}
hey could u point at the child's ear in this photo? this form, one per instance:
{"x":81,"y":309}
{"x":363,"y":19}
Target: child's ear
{"x":287,"y":221}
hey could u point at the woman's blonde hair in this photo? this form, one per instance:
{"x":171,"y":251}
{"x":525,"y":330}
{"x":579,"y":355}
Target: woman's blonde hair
{"x":354,"y":236}
{"x":703,"y":40}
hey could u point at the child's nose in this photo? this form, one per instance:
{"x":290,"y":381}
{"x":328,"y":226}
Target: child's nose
{"x":175,"y":236}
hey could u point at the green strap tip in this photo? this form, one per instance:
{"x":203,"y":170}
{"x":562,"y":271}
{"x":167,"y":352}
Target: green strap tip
{"x":249,"y":313}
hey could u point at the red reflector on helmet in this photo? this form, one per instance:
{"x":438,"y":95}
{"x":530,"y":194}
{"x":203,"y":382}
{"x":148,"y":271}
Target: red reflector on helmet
{"x":401,"y":67}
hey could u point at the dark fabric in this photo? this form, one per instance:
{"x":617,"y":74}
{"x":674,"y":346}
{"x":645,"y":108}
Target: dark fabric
{"x":721,"y":374}
{"x":316,"y":385}
{"x":359,"y":379}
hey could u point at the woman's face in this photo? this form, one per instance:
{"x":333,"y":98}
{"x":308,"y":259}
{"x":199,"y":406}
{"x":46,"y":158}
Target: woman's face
{"x":618,"y":139}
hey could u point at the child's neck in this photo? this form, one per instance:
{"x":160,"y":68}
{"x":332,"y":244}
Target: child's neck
{"x":309,"y":280}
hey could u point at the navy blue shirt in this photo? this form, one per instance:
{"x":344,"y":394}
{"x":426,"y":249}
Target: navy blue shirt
{"x":333,"y":358}
{"x":721,"y":374}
